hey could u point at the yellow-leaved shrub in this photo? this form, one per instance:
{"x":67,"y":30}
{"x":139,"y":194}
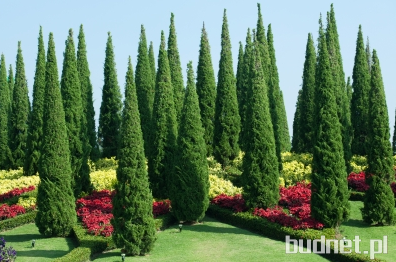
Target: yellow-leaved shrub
{"x":27,"y":202}
{"x":23,"y":181}
{"x":221,"y":186}
{"x":11,"y":174}
{"x":104,"y":179}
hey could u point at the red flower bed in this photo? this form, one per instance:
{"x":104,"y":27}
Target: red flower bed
{"x":295,"y":196}
{"x":236,"y":203}
{"x":358,"y":182}
{"x":16,"y":192}
{"x":95,"y":211}
{"x":7,"y":211}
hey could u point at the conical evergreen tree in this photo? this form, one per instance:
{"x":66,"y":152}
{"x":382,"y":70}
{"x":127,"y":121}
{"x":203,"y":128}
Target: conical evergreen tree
{"x":145,"y":90}
{"x":11,"y":82}
{"x":160,"y":164}
{"x":110,"y":109}
{"x":152,"y":61}
{"x":368,"y":55}
{"x":90,"y":143}
{"x":277,"y":108}
{"x":239,"y":76}
{"x":360,"y":98}
{"x":35,"y":135}
{"x":72,"y":104}
{"x":263,"y":47}
{"x":5,"y":106}
{"x":379,"y":201}
{"x":206,"y":90}
{"x":260,"y":164}
{"x":307,"y":121}
{"x":329,"y":201}
{"x":343,"y":109}
{"x":349,"y":90}
{"x":133,"y":221}
{"x":55,"y":201}
{"x":227,"y":120}
{"x":244,"y":88}
{"x":297,"y":142}
{"x":175,"y":69}
{"x":190,"y":180}
{"x":19,"y":114}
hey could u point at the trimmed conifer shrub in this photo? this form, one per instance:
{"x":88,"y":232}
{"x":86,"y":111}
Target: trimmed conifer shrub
{"x":55,"y":201}
{"x":35,"y":134}
{"x":133,"y":222}
{"x":189,"y":184}
{"x":206,"y":90}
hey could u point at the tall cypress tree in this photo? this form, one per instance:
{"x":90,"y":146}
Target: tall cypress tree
{"x":35,"y":134}
{"x":343,"y":109}
{"x":19,"y":114}
{"x":239,"y":76}
{"x":263,"y":47}
{"x":260,"y":164}
{"x":133,"y":221}
{"x":329,"y":202}
{"x":190,"y":180}
{"x":379,"y":201}
{"x":145,"y":90}
{"x":90,"y":143}
{"x":11,"y":81}
{"x":110,"y":109}
{"x":206,"y":90}
{"x":5,"y":106}
{"x":72,"y":105}
{"x":307,"y":121}
{"x":277,"y":107}
{"x":175,"y":68}
{"x":349,"y":90}
{"x":360,"y":98}
{"x":227,"y":120}
{"x":368,"y":55}
{"x":55,"y":201}
{"x":297,"y":142}
{"x":152,"y":61}
{"x":160,"y":164}
{"x":244,"y":88}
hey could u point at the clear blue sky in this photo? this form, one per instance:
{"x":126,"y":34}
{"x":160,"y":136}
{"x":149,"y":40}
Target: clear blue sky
{"x":291,"y":22}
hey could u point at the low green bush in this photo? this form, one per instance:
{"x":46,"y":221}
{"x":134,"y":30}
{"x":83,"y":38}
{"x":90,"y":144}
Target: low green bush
{"x":263,"y":227}
{"x":164,"y":221}
{"x":79,"y":254}
{"x":17,"y":221}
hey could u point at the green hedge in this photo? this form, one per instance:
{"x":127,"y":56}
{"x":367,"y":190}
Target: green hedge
{"x":275,"y":231}
{"x":17,"y":221}
{"x":79,"y":254}
{"x":356,"y":196}
{"x":163,"y":221}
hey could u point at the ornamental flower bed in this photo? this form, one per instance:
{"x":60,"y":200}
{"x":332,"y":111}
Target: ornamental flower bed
{"x":295,"y":198}
{"x":16,"y":192}
{"x":357,"y":182}
{"x":7,"y":211}
{"x":95,"y":211}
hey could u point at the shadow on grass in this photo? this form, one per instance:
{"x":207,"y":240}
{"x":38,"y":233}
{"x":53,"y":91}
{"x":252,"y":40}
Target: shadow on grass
{"x":23,"y":237}
{"x":42,"y":253}
{"x":356,"y":223}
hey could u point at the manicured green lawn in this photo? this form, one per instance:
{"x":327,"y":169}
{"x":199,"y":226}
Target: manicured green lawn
{"x":213,"y":241}
{"x":356,"y":227}
{"x":46,"y":249}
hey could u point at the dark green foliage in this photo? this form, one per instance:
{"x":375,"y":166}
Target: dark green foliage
{"x":307,"y":121}
{"x":152,"y":61}
{"x":35,"y":135}
{"x":133,"y":221}
{"x":239,"y":74}
{"x":349,"y":90}
{"x":145,"y":90}
{"x":277,"y":107}
{"x":368,"y":55}
{"x":160,"y":164}
{"x":11,"y":82}
{"x":175,"y":69}
{"x":72,"y":105}
{"x":227,"y":120}
{"x":206,"y":90}
{"x":110,"y":109}
{"x":90,"y":144}
{"x":5,"y":106}
{"x":297,"y":136}
{"x":189,"y":185}
{"x":244,"y":86}
{"x":343,"y":109}
{"x":360,"y":98}
{"x":263,"y":47}
{"x":260,"y":164}
{"x":329,"y":201}
{"x":20,"y":110}
{"x":55,"y":201}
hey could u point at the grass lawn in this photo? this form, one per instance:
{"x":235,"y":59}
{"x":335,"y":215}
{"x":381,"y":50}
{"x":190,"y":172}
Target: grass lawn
{"x":356,"y":227}
{"x":212,"y":241}
{"x":46,"y":249}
